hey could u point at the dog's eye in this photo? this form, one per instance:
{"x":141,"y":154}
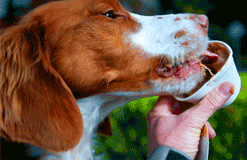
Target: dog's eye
{"x":110,"y":15}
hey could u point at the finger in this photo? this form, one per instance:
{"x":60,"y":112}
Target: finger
{"x":163,"y":106}
{"x":211,"y":131}
{"x":213,"y":101}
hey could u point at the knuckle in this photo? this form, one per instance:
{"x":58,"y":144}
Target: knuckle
{"x":214,"y":100}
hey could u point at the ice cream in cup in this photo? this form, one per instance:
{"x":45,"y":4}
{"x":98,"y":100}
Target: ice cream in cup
{"x":221,"y":70}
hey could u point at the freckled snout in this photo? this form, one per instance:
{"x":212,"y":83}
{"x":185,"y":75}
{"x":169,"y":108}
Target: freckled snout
{"x":200,"y":22}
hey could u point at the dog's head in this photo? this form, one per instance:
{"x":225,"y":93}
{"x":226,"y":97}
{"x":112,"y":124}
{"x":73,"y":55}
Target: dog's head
{"x":77,"y":48}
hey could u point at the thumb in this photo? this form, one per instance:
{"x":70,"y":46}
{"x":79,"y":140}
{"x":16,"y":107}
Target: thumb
{"x":213,"y":101}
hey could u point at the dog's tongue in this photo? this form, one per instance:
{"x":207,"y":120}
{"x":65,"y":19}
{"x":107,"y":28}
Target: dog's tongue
{"x":209,"y":57}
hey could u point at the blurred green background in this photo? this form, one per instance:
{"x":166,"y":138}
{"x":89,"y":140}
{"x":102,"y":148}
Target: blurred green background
{"x":129,"y":140}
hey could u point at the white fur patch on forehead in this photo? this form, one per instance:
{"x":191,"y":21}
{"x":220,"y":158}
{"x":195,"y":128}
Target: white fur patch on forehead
{"x":161,"y":35}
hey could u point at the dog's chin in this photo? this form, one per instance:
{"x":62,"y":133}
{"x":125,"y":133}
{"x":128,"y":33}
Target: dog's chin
{"x":190,"y":84}
{"x":180,"y":80}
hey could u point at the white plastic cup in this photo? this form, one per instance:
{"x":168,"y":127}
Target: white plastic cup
{"x":228,"y":72}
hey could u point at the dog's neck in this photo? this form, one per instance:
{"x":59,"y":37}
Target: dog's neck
{"x":94,"y":109}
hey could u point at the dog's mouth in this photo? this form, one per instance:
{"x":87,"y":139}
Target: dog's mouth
{"x":180,"y":72}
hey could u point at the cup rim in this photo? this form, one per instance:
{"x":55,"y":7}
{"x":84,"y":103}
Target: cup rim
{"x":223,"y":69}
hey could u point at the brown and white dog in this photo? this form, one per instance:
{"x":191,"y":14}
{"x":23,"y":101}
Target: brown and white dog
{"x":69,"y":63}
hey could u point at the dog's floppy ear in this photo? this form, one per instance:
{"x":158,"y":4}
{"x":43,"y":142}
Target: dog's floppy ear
{"x":36,"y":105}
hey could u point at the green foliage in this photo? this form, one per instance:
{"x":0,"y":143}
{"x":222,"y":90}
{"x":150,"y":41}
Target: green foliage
{"x":129,"y":140}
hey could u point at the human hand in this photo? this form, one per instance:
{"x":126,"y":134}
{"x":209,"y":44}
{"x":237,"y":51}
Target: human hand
{"x":168,"y":126}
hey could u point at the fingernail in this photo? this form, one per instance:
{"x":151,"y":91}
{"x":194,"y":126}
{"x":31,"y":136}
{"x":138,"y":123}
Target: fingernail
{"x":226,"y":88}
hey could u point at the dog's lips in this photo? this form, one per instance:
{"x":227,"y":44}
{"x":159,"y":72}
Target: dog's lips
{"x":184,"y":71}
{"x":181,"y":72}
